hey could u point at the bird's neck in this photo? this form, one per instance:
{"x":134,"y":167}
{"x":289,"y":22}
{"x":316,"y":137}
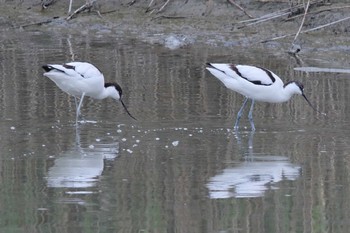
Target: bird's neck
{"x":110,"y":92}
{"x":288,"y":91}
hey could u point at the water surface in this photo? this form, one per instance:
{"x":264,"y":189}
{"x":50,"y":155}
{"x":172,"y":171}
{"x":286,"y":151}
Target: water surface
{"x":180,"y":167}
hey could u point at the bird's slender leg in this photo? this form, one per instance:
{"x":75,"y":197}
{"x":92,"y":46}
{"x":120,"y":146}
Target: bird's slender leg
{"x":77,"y":136}
{"x":250,"y":116}
{"x":76,"y":103}
{"x":78,"y":108}
{"x":239,"y":114}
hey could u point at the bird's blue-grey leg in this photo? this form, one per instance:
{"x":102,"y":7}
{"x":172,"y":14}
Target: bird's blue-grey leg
{"x":79,"y":106}
{"x":250,"y":116}
{"x":239,"y":114}
{"x":77,"y":136}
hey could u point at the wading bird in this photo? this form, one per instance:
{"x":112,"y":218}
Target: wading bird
{"x":255,"y":83}
{"x":81,"y":79}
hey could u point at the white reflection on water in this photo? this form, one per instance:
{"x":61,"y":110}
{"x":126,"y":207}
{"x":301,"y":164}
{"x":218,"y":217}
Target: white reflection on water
{"x":81,"y":167}
{"x":320,"y":69}
{"x":252,"y":178}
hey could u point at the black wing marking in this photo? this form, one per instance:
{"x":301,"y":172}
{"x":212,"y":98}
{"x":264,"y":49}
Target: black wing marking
{"x":269,"y":73}
{"x":256,"y":82}
{"x":72,"y":68}
{"x":68,"y":66}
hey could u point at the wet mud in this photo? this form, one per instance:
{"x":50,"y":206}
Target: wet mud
{"x":182,"y":23}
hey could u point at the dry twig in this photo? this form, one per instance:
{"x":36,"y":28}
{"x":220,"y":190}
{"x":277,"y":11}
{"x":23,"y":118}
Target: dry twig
{"x":149,"y":6}
{"x":153,"y":9}
{"x":308,"y":30}
{"x":168,"y":17}
{"x":241,"y":8}
{"x":162,"y":7}
{"x":302,"y":21}
{"x":87,"y":6}
{"x":274,"y":15}
{"x":319,"y":11}
{"x":36,"y":23}
{"x":265,"y":19}
{"x":70,"y":6}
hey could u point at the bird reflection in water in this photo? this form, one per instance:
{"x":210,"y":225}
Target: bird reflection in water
{"x":253,"y":176}
{"x":81,"y":166}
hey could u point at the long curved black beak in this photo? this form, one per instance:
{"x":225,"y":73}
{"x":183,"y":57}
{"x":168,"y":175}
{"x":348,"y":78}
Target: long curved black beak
{"x":127,"y":110}
{"x":312,"y":105}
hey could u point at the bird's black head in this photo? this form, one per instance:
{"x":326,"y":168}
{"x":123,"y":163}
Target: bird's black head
{"x":298,"y":85}
{"x":209,"y":65}
{"x":301,"y":87}
{"x":119,"y":89}
{"x":47,"y":68}
{"x":116,"y":86}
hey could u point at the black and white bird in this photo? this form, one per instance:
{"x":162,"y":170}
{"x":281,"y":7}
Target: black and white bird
{"x":255,"y":83}
{"x":81,"y":79}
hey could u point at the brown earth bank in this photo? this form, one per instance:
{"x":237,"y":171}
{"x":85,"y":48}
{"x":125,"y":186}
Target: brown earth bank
{"x":177,"y":23}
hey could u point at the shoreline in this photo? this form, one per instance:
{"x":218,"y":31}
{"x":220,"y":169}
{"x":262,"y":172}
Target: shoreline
{"x":185,"y":23}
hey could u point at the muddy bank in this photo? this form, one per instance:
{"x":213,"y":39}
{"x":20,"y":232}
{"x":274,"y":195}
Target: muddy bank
{"x":181,"y":23}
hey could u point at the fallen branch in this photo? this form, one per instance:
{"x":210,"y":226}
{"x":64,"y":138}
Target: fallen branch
{"x":241,"y":8}
{"x":77,"y":11}
{"x":149,"y":6}
{"x":162,"y":7}
{"x":263,"y":20}
{"x":87,"y":6}
{"x":108,"y":12}
{"x":305,"y":31}
{"x":302,"y":21}
{"x":168,"y":17}
{"x":151,"y":9}
{"x":319,"y":11}
{"x":274,"y":15}
{"x":70,"y":6}
{"x":36,"y":23}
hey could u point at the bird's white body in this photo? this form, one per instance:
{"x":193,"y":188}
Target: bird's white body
{"x":81,"y":79}
{"x":255,"y":83}
{"x":84,"y":78}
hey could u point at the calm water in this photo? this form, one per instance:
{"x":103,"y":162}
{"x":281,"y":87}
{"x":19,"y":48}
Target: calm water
{"x":180,"y":167}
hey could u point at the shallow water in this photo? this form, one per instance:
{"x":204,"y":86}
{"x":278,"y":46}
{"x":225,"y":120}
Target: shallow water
{"x":180,"y":167}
